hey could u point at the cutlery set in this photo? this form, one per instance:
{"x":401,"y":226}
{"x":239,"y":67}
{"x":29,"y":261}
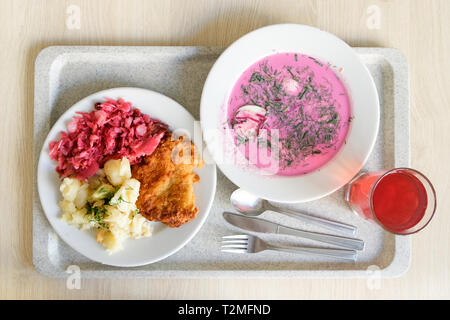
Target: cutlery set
{"x":251,"y":206}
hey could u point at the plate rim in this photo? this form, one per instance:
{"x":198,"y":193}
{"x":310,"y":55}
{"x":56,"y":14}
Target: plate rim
{"x":51,"y":130}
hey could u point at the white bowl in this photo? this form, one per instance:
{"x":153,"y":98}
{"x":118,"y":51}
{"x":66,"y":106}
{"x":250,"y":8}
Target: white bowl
{"x":356,"y":78}
{"x":165,"y":241}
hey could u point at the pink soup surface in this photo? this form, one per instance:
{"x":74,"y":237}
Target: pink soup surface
{"x":300,"y":102}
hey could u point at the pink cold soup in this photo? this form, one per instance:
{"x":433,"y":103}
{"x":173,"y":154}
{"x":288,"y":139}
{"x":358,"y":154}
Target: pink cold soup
{"x":292,"y":107}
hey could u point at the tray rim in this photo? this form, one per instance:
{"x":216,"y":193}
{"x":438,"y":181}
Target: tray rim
{"x":402,"y":257}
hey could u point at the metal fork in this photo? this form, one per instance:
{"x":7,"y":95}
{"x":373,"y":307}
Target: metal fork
{"x":243,"y":243}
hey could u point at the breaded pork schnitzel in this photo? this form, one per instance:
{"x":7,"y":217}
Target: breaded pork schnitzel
{"x":167,"y":177}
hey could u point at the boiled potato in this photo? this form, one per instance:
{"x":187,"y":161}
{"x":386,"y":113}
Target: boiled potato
{"x":111,"y":242}
{"x":108,"y":203}
{"x":116,"y":219}
{"x":132,"y":187}
{"x":117,"y":171}
{"x":102,"y":192}
{"x":67,"y":217}
{"x":139,"y":227}
{"x":82,"y":196}
{"x":67,"y":206}
{"x":80,"y":218}
{"x":69,"y":188}
{"x":125,"y":198}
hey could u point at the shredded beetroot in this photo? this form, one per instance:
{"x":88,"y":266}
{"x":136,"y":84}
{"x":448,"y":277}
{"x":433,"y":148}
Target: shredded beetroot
{"x":113,"y":130}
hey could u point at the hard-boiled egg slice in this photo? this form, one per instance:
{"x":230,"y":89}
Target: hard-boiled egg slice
{"x":247,"y":121}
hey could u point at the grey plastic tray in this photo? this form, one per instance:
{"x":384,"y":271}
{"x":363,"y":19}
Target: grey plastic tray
{"x":66,"y":74}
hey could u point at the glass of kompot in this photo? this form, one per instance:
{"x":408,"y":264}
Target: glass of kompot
{"x":402,"y":200}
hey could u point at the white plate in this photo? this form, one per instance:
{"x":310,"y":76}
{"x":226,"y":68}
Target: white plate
{"x":355,"y":76}
{"x":165,"y":241}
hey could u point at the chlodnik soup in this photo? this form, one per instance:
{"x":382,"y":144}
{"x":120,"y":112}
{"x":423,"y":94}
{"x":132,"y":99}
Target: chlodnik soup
{"x":294,"y":101}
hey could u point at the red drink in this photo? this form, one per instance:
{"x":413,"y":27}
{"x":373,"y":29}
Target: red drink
{"x":401,"y":200}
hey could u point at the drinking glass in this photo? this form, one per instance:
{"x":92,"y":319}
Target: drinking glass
{"x":401,"y":200}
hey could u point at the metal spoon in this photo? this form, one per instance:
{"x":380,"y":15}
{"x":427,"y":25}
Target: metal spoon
{"x":251,"y":205}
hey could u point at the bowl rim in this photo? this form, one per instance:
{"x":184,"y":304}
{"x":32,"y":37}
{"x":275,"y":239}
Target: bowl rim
{"x":357,"y":63}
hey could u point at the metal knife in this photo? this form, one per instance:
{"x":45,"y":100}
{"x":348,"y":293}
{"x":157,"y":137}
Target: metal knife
{"x":265,"y":226}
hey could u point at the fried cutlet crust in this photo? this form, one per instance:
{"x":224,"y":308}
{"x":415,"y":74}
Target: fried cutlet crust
{"x":167,"y":177}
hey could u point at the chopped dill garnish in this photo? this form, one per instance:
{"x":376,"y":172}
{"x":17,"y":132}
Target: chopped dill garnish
{"x":120,"y":199}
{"x":102,"y":190}
{"x":301,"y":94}
{"x":316,"y":61}
{"x":241,"y":140}
{"x":334,"y":119}
{"x":256,"y":77}
{"x":292,"y":75}
{"x":108,"y":197}
{"x":98,"y":215}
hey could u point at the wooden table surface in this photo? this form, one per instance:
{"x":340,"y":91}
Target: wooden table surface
{"x":419,"y":28}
